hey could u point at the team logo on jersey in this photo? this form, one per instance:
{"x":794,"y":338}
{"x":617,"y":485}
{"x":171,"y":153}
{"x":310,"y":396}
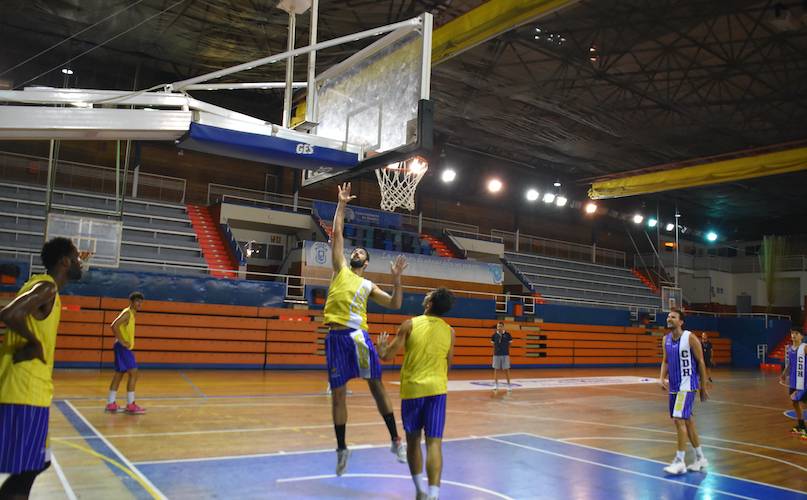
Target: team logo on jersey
{"x":686,"y":364}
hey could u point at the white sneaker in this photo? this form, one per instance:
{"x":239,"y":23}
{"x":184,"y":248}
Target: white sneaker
{"x":341,"y":461}
{"x":398,"y":447}
{"x":677,"y":467}
{"x":698,"y":465}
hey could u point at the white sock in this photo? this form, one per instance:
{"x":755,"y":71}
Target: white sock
{"x":679,"y":455}
{"x":130,"y":397}
{"x":418,"y":480}
{"x":434,"y":491}
{"x":111,"y":398}
{"x":699,"y":453}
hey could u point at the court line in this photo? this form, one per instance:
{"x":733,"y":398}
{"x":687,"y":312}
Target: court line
{"x":611,"y":438}
{"x":394,"y":476}
{"x":205,"y":404}
{"x":613,"y":467}
{"x":304,"y":452}
{"x":710,"y":400}
{"x":665,"y":463}
{"x":68,"y":490}
{"x":217,"y":431}
{"x":629,"y":427}
{"x":195,"y":387}
{"x":114,"y":463}
{"x":152,"y":489}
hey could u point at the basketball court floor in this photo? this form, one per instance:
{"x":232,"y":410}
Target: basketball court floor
{"x":560,"y":433}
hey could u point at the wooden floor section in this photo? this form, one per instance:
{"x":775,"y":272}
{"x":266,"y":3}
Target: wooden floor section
{"x":199,"y":414}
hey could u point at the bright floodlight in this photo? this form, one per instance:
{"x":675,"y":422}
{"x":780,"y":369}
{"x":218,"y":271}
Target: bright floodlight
{"x":532,"y":194}
{"x":557,"y":184}
{"x":638,"y":218}
{"x":549,"y":197}
{"x":418,"y":165}
{"x":494,"y":185}
{"x":561,"y":201}
{"x":711,"y":236}
{"x":670,"y":226}
{"x":448,"y":175}
{"x":67,"y":71}
{"x":591,"y":207}
{"x":652,"y":222}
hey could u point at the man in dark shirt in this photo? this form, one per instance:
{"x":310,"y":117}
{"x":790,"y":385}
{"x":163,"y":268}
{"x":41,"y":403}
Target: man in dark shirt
{"x":707,"y":355}
{"x":501,"y":354}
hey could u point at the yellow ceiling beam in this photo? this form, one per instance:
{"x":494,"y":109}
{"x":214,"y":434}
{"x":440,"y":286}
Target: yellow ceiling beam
{"x":488,"y":21}
{"x":717,"y":172}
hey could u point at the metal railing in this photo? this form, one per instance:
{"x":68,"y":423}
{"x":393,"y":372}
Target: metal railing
{"x":749,"y":264}
{"x":525,"y":243}
{"x":30,"y":169}
{"x":765,"y":316}
{"x":217,"y":193}
{"x":437,"y":224}
{"x":474,"y":236}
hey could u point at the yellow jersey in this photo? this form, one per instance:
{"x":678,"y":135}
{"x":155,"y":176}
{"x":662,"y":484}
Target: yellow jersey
{"x":425,"y":366}
{"x":30,"y":382}
{"x":127,"y":330}
{"x":346,"y":304}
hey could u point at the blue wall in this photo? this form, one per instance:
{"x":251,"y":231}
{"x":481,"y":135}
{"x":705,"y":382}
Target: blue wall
{"x":559,"y":313}
{"x":119,"y":284}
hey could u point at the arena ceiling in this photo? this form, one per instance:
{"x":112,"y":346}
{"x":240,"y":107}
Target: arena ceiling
{"x":666,"y":81}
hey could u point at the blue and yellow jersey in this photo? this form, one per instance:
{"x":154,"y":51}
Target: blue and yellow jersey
{"x":347,"y":300}
{"x":30,"y":382}
{"x":425,"y":366}
{"x":127,"y":330}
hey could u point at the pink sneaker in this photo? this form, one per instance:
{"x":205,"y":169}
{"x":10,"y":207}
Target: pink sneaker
{"x":133,"y":409}
{"x":112,"y":408}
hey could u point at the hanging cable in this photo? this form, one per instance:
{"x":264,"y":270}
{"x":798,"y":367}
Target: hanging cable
{"x":103,"y":43}
{"x":71,"y":37}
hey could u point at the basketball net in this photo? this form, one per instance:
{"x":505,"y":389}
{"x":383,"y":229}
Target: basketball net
{"x":398,"y":182}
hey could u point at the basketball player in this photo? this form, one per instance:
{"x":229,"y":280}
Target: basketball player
{"x":683,"y":361}
{"x":349,"y":351}
{"x":428,"y":342}
{"x":124,"y":329}
{"x":501,"y":355}
{"x":795,"y":368}
{"x":26,"y":368}
{"x":707,"y":355}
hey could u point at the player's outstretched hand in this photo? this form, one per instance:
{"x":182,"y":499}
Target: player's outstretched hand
{"x":344,"y":193}
{"x":383,"y":340}
{"x":397,"y":267}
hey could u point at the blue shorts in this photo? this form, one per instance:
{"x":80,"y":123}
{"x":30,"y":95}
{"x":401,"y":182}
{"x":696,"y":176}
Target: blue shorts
{"x":23,"y":438}
{"x":350,"y":354}
{"x":124,"y":359}
{"x":681,"y":404}
{"x":797,"y":395}
{"x":427,"y":413}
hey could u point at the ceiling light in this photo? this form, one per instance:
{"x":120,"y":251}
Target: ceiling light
{"x":638,"y":218}
{"x":652,"y":222}
{"x":670,"y":226}
{"x":494,"y":185}
{"x":591,"y":207}
{"x":711,"y":236}
{"x":549,"y":197}
{"x":67,"y":71}
{"x":561,"y":201}
{"x":532,"y":194}
{"x":448,"y":175}
{"x":556,"y":184}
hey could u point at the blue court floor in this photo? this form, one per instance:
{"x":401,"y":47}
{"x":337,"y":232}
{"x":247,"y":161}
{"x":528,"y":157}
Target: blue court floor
{"x":509,"y":466}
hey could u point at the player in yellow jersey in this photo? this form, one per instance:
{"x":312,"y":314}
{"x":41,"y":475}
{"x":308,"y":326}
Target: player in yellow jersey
{"x":348,"y":349}
{"x":124,"y":329}
{"x":428,"y":342}
{"x":26,"y":368}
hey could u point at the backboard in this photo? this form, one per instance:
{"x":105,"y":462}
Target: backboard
{"x":377,"y":99}
{"x":101,"y":237}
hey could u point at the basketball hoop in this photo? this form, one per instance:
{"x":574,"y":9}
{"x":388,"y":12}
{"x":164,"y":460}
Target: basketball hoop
{"x":398,"y":182}
{"x":85,"y":257}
